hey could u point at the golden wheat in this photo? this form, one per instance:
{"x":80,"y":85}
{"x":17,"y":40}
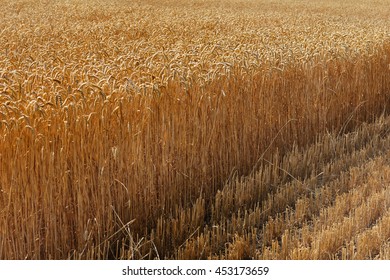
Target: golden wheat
{"x":194,"y":129}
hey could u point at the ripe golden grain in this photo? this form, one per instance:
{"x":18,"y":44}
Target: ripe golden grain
{"x":196,"y":129}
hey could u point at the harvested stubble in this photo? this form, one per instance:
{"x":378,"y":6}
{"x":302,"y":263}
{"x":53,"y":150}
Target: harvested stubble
{"x":219,"y":132}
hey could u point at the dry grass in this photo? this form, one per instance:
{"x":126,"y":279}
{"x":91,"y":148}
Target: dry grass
{"x":202,"y":129}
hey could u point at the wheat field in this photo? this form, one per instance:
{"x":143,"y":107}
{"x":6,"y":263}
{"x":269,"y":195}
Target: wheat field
{"x":200,"y":129}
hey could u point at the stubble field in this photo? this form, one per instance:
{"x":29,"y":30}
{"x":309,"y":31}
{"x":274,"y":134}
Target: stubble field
{"x":196,"y":129}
